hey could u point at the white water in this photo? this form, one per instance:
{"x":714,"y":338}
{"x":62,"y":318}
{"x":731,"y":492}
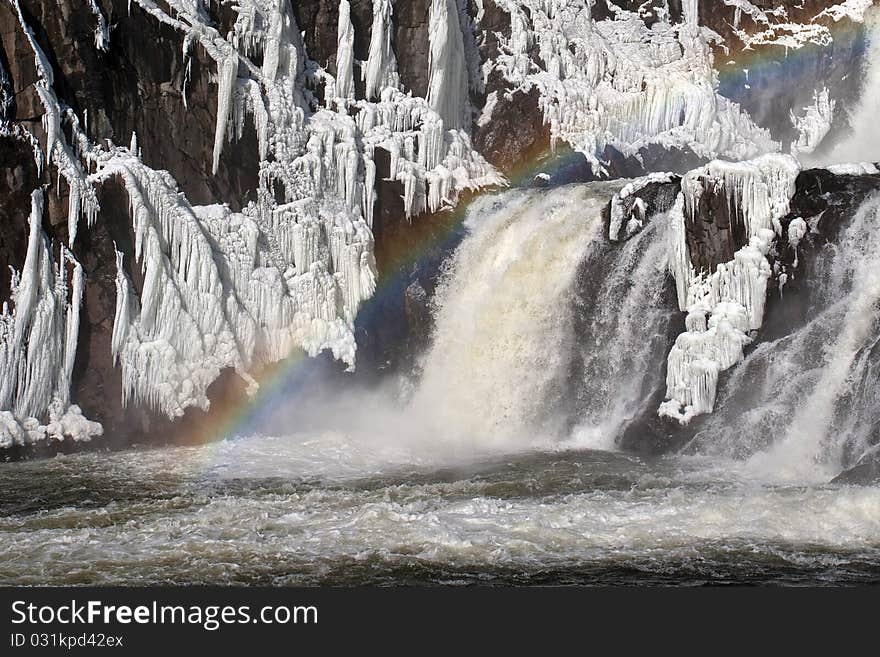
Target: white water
{"x":623,"y":339}
{"x":548,"y":337}
{"x":496,"y":376}
{"x":809,"y":446}
{"x":294,"y":510}
{"x":782,"y":409}
{"x":505,"y":321}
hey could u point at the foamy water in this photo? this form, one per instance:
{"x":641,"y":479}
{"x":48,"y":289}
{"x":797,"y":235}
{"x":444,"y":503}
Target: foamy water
{"x":298,"y":510}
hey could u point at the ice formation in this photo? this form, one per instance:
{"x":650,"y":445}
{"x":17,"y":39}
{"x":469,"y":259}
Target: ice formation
{"x":814,"y":124}
{"x":723,"y":306}
{"x":632,"y":211}
{"x":234,"y":290}
{"x":854,"y":10}
{"x":381,"y":69}
{"x":775,"y":27}
{"x":38,"y":341}
{"x":854,"y":169}
{"x":102,"y":30}
{"x":226,"y":290}
{"x":448,"y":84}
{"x":83,"y":200}
{"x":345,"y":53}
{"x":619,"y":83}
{"x":790,"y":36}
{"x":797,"y":230}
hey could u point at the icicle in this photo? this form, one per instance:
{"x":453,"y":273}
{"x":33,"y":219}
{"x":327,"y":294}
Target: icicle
{"x":345,"y":52}
{"x":282,"y":54}
{"x":227,"y":75}
{"x":72,"y":331}
{"x":82,"y":198}
{"x":369,"y":197}
{"x":38,"y":343}
{"x":620,"y":83}
{"x":102,"y":32}
{"x":123,"y":316}
{"x":448,"y":75}
{"x":814,"y":124}
{"x":28,"y":288}
{"x":691,"y":11}
{"x":381,"y":68}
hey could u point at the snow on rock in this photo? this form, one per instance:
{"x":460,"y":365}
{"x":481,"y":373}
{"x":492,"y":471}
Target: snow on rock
{"x":620,"y":83}
{"x":854,"y":10}
{"x":38,"y":341}
{"x":723,"y":306}
{"x":854,"y":169}
{"x":759,"y":15}
{"x":790,"y":36}
{"x":774,"y":26}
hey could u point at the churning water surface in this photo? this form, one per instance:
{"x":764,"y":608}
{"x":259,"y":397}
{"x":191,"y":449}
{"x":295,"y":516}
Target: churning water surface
{"x":323,"y":510}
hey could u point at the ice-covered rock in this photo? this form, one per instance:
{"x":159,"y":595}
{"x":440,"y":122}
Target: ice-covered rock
{"x":38,"y":341}
{"x":620,"y":83}
{"x":234,"y":290}
{"x":726,"y":305}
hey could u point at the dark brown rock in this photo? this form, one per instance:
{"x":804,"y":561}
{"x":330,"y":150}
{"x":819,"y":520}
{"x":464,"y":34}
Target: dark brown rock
{"x":716,"y":230}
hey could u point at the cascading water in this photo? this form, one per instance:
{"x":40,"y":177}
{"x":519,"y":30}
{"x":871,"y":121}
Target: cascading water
{"x":495,"y":460}
{"x":505,"y":321}
{"x":624,"y":312}
{"x":804,"y":407}
{"x":497,"y":377}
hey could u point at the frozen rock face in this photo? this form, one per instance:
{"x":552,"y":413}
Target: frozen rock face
{"x":725,"y":221}
{"x":235,"y":176}
{"x":201,"y":288}
{"x":822,"y":206}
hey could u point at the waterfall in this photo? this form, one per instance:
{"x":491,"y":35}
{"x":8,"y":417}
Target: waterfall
{"x":504,"y":317}
{"x":624,"y":319}
{"x":803,"y":407}
{"x":549,"y":336}
{"x":546,"y":336}
{"x":545,"y":331}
